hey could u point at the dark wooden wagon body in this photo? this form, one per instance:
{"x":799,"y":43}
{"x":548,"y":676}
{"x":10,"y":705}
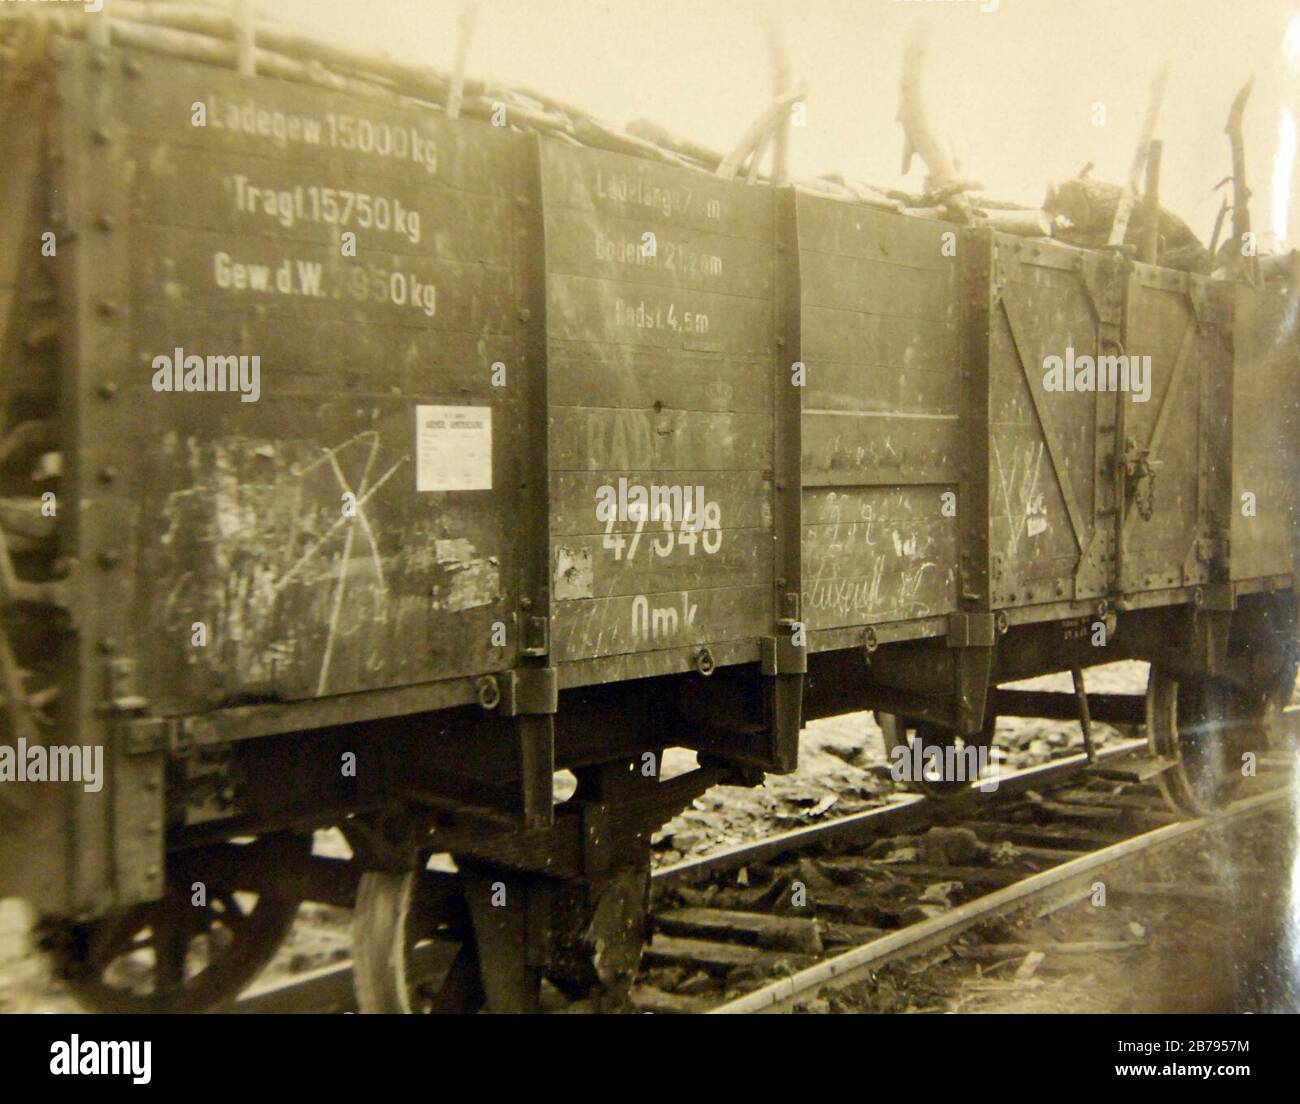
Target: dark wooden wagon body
{"x":395,"y":551}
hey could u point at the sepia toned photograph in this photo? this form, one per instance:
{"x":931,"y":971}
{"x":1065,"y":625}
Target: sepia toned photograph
{"x":677,"y":507}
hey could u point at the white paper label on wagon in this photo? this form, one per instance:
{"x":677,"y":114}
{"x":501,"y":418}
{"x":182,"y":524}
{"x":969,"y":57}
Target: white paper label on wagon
{"x":453,"y":448}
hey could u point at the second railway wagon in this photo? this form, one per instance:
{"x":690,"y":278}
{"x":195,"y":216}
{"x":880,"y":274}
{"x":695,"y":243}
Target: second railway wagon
{"x":401,"y":460}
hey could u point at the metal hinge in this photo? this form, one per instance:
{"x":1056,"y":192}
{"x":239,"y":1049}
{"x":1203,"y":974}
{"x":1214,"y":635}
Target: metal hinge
{"x":178,"y":736}
{"x":146,"y":735}
{"x":537,"y":636}
{"x":122,"y":695}
{"x":780,"y":655}
{"x":1209,"y":307}
{"x":529,"y":690}
{"x":1219,"y":596}
{"x":971,"y":630}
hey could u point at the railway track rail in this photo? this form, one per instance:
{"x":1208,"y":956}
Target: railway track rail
{"x":763,"y":926}
{"x":1041,"y":893}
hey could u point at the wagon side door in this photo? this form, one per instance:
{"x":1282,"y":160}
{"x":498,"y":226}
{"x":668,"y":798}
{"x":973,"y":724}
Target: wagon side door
{"x":1051,"y":491}
{"x":1171,"y":430}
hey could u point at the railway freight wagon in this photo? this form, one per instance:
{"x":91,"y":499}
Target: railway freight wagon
{"x":363,"y":466}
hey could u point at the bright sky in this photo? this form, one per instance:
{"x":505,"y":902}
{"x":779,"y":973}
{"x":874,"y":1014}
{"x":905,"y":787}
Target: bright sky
{"x":1014,"y":88}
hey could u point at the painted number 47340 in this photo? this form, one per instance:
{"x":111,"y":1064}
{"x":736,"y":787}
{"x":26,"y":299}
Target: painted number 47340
{"x":704,"y":533}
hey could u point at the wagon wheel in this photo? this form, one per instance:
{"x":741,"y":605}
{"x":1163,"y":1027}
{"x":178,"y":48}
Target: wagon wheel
{"x":904,"y":731}
{"x":171,"y":955}
{"x":409,"y":954}
{"x":1205,"y":726}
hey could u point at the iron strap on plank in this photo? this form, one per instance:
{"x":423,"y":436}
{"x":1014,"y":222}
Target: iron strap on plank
{"x":787,"y":414}
{"x":785,"y":654}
